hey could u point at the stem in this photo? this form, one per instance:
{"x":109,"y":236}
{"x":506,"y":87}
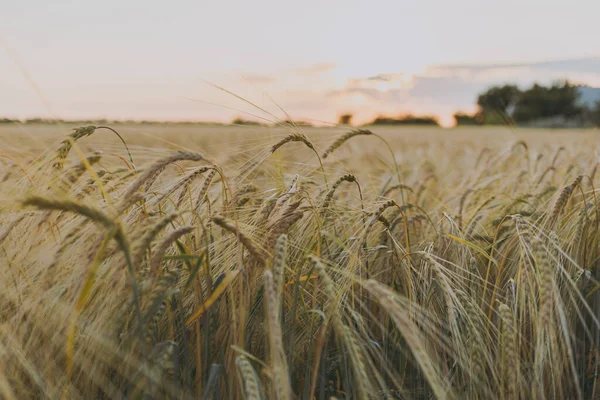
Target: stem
{"x":122,"y":140}
{"x":395,"y":163}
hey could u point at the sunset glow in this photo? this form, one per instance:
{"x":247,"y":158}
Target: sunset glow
{"x":145,"y":60}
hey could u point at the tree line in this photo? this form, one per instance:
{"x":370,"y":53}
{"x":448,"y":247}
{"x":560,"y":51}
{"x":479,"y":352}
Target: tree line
{"x":555,"y":105}
{"x":404,"y":119}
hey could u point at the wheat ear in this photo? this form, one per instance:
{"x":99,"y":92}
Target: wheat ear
{"x":344,"y":138}
{"x":281,"y":380}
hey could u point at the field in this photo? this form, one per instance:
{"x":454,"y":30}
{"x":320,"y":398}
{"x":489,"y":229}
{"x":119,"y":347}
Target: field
{"x":216,"y":262}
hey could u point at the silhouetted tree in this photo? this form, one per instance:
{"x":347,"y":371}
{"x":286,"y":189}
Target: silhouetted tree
{"x":499,"y":99}
{"x":462,"y":119}
{"x":297,"y":123}
{"x":405,"y":120}
{"x":595,"y":114}
{"x":541,"y":102}
{"x":345,"y":119}
{"x":242,"y":121}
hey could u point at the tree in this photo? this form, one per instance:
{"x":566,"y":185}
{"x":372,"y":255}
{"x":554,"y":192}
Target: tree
{"x":242,"y":121}
{"x":405,"y":120}
{"x":499,"y":99}
{"x":463,"y":119}
{"x":595,"y":114}
{"x":345,"y":119}
{"x":540,"y":102}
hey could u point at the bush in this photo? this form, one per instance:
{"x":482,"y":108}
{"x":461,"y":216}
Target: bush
{"x":345,"y":119}
{"x":405,"y":120}
{"x":241,"y":121}
{"x":462,"y":119}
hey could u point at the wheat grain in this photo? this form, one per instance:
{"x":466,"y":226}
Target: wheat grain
{"x":257,"y":253}
{"x":277,"y":354}
{"x":144,"y":243}
{"x":387,"y":300}
{"x":147,"y":177}
{"x":509,"y":353}
{"x":343,"y":139}
{"x":249,"y":379}
{"x":279,"y":263}
{"x":294,"y":137}
{"x":164,"y":245}
{"x":336,"y":184}
{"x":546,"y":279}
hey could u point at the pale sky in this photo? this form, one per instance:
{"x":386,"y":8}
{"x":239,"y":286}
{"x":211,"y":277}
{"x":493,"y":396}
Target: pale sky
{"x":316,"y":59}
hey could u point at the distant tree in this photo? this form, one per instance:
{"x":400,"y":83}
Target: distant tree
{"x":345,"y":119}
{"x":241,"y":121}
{"x":34,"y":121}
{"x":463,"y":119}
{"x":595,"y":114}
{"x":541,"y":102}
{"x":405,"y":120}
{"x":298,"y":123}
{"x":499,"y":98}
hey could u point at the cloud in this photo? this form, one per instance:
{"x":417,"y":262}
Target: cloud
{"x":444,"y":89}
{"x":382,"y":96}
{"x":315,"y":69}
{"x":259,"y":79}
{"x":579,"y":70}
{"x":589,"y":64}
{"x":379,"y":77}
{"x":323,"y":91}
{"x":582,"y":65}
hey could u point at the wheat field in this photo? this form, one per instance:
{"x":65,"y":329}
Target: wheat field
{"x":221,"y":262}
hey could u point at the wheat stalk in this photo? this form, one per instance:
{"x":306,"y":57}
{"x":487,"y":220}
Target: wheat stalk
{"x":147,"y":177}
{"x":248,"y":379}
{"x":144,"y":243}
{"x":336,"y":184}
{"x":344,"y":138}
{"x":279,"y":263}
{"x":293,"y":137}
{"x":388,"y":301}
{"x":224,"y":223}
{"x":510,"y":355}
{"x":342,"y":331}
{"x":164,"y":245}
{"x":281,"y":381}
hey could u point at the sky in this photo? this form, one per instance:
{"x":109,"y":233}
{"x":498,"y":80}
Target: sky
{"x":314,"y":60}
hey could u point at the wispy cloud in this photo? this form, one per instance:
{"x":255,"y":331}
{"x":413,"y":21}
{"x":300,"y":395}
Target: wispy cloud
{"x":323,"y":91}
{"x":260,"y":79}
{"x":585,"y":65}
{"x":315,"y":69}
{"x":444,"y":89}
